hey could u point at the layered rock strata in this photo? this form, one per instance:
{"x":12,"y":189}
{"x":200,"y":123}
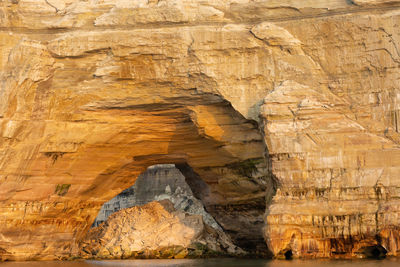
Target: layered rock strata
{"x":337,"y":195}
{"x":155,"y":230}
{"x":82,"y":118}
{"x":94,"y":92}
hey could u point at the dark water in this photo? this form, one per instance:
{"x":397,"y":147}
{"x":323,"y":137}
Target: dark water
{"x":210,"y":263}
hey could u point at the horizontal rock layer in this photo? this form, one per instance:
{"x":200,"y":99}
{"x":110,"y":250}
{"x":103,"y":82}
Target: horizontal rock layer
{"x":338,"y":194}
{"x":94,"y":92}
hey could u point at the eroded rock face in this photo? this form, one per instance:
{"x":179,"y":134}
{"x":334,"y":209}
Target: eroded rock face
{"x":155,"y":230}
{"x":334,"y":198}
{"x":85,"y":111}
{"x":338,"y":184}
{"x":94,"y":92}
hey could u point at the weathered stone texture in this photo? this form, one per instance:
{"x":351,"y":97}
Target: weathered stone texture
{"x":333,"y":141}
{"x":155,"y":230}
{"x":94,"y":92}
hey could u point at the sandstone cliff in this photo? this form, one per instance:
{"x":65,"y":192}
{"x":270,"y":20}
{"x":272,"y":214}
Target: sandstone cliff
{"x":245,"y":97}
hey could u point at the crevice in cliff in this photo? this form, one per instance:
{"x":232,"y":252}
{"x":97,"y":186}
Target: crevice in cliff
{"x":274,"y":184}
{"x":56,"y":9}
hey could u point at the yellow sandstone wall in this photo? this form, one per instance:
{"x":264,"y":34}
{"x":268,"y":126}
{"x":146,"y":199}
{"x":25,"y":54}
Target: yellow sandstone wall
{"x":94,"y":92}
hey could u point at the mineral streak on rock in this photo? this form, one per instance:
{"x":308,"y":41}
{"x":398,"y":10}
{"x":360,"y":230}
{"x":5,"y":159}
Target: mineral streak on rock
{"x":94,"y":92}
{"x":336,"y":195}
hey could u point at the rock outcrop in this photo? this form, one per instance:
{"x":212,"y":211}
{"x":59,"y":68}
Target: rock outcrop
{"x":158,"y":182}
{"x":150,"y":184}
{"x":247,"y":98}
{"x":155,"y":230}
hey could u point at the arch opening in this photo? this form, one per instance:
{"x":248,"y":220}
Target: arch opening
{"x":158,"y":182}
{"x":165,"y":220}
{"x":176,"y":192}
{"x":225,"y":150}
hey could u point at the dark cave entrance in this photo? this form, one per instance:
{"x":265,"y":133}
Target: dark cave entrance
{"x":288,"y":254}
{"x":374,"y":252}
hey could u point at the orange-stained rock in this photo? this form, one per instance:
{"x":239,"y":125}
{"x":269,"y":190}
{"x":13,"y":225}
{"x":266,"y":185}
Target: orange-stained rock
{"x":94,"y":92}
{"x":333,"y":138}
{"x":338,"y":195}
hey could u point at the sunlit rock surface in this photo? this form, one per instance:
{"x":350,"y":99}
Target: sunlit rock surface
{"x":94,"y":92}
{"x":155,"y":230}
{"x":338,"y":193}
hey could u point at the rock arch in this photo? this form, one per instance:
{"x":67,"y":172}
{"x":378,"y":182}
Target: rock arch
{"x":67,"y":158}
{"x":159,"y":217}
{"x":95,"y":91}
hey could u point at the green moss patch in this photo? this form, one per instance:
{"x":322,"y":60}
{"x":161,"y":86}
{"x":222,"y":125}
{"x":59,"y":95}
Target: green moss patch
{"x":62,"y":189}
